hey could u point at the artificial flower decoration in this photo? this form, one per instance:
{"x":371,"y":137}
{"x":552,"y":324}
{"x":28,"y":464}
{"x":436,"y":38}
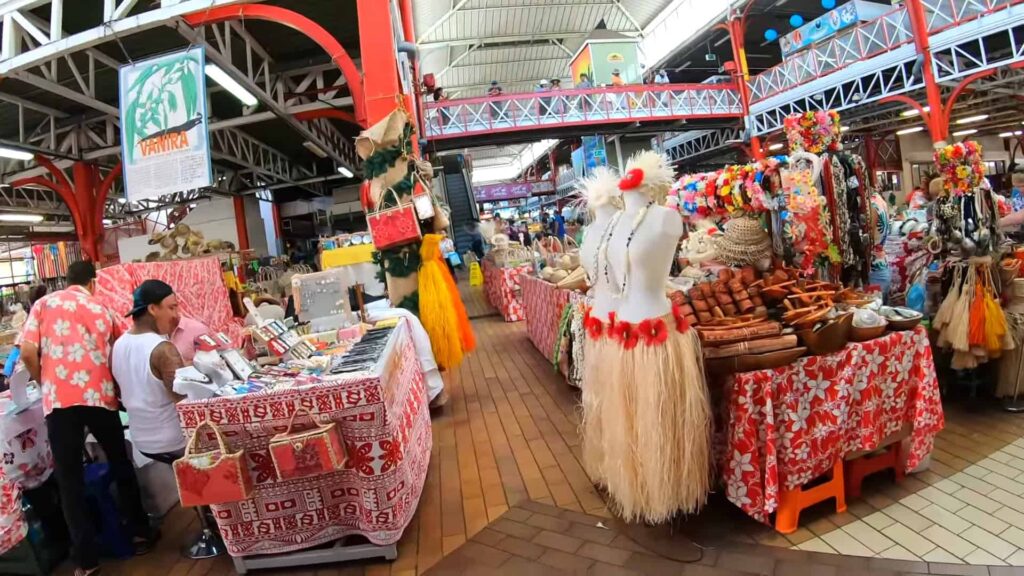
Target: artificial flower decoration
{"x":730,"y":192}
{"x":592,"y":325}
{"x":653,"y":331}
{"x":961,"y":167}
{"x":814,"y":131}
{"x":632,"y":180}
{"x":626,"y":335}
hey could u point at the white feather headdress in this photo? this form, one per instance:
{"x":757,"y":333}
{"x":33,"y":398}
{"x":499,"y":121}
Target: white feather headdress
{"x":648,"y":171}
{"x":601,"y":187}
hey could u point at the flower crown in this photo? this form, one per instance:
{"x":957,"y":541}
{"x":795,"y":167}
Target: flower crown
{"x":961,"y":167}
{"x":815,"y":132}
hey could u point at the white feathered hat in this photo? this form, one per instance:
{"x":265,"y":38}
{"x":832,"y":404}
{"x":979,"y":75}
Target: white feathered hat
{"x":601,"y":187}
{"x":648,"y":171}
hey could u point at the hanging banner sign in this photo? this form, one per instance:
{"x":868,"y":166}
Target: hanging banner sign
{"x":165,"y":144}
{"x":512,"y":191}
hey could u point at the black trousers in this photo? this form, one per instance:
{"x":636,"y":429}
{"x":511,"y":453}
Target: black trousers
{"x":66,"y":427}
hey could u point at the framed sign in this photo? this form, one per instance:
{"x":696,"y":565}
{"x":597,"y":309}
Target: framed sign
{"x":165,"y":144}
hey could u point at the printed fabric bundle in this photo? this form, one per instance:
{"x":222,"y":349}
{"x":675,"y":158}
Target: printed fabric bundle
{"x":215,"y":477}
{"x":307,"y":453}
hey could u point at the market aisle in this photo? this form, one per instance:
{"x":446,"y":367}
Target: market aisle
{"x":508,"y":437}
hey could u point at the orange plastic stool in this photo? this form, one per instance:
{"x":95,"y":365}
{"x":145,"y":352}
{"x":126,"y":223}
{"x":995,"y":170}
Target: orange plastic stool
{"x":792,"y":502}
{"x":860,"y":468}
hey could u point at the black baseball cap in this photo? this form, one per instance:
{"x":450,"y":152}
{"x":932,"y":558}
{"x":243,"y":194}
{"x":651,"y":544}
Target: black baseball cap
{"x":149,"y":292}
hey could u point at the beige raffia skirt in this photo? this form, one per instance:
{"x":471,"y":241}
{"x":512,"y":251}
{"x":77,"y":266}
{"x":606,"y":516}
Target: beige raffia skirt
{"x":647,"y":425}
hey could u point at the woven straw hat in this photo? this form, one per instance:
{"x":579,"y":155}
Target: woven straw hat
{"x":744,"y":242}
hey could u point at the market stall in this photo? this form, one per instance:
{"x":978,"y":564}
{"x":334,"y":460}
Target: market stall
{"x":503,"y":287}
{"x":382,"y":416}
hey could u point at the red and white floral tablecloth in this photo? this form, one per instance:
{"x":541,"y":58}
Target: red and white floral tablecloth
{"x":386,"y":427}
{"x":789,"y":425}
{"x":502,"y":287}
{"x":543,"y":302}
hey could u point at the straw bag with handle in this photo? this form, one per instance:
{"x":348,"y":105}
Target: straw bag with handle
{"x":307,"y":453}
{"x":215,"y":477}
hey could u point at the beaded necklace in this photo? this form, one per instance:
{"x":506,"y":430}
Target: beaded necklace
{"x":604,"y":238}
{"x":637,"y":221}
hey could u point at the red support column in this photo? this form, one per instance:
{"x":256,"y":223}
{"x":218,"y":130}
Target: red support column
{"x":240,"y":226}
{"x":919,"y":27}
{"x":871,"y":159}
{"x":85,"y":195}
{"x":379,"y":61}
{"x":741,"y":74}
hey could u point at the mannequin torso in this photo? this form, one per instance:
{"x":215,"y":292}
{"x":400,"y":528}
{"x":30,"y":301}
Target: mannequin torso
{"x":602,"y":297}
{"x":649,"y":255}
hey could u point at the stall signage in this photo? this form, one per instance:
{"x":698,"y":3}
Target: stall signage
{"x":512,"y":190}
{"x":165,"y":145}
{"x":820,"y":28}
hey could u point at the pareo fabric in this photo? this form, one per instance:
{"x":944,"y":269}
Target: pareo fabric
{"x":788,"y":425}
{"x":198,"y":284}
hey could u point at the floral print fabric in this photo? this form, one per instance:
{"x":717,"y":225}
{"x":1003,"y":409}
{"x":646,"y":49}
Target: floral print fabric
{"x":789,"y":425}
{"x":73,"y":332}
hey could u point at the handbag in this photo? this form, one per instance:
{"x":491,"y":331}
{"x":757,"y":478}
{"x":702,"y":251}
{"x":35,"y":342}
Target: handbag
{"x":422,"y":199}
{"x":395,"y":226}
{"x":308,"y":453}
{"x":215,"y":477}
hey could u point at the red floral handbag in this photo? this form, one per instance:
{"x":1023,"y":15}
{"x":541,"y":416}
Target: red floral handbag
{"x":215,"y":477}
{"x":307,"y":453}
{"x":395,"y":226}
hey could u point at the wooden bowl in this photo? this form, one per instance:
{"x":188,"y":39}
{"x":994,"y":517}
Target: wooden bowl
{"x":750,"y":362}
{"x":859,"y":334}
{"x":829,"y":339}
{"x":904,"y":324}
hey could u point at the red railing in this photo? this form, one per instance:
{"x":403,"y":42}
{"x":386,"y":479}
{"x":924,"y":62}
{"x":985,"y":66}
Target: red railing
{"x":512,"y":112}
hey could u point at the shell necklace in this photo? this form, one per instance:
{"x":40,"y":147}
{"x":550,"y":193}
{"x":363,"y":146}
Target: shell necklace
{"x":638,"y":220}
{"x":603,"y":239}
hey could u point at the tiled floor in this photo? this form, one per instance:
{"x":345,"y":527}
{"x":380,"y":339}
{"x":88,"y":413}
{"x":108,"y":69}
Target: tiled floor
{"x":520,"y":544}
{"x":975,"y":516}
{"x":508,"y":439}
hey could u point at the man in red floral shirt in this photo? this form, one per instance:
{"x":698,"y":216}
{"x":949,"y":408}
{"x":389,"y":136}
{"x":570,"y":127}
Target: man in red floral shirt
{"x":66,"y":348}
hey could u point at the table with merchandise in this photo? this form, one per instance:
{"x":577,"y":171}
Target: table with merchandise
{"x":785,"y":426}
{"x":372,"y":392}
{"x":543,"y":303}
{"x":503,"y":287}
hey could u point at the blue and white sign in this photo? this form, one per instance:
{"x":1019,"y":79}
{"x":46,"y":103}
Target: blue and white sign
{"x":830,"y":23}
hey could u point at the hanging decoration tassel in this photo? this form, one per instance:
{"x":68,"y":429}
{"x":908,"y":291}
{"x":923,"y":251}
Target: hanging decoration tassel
{"x":437,"y":307}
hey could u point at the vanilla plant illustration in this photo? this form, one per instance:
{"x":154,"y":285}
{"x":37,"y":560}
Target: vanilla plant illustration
{"x":162,"y":104}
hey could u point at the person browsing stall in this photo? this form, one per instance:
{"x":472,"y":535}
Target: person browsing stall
{"x":66,"y":348}
{"x":144,"y":362}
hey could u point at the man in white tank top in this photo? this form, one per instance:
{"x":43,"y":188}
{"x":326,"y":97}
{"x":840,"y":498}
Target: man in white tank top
{"x":143,"y":363}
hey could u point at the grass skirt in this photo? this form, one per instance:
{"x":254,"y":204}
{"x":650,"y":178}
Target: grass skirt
{"x":647,"y":425}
